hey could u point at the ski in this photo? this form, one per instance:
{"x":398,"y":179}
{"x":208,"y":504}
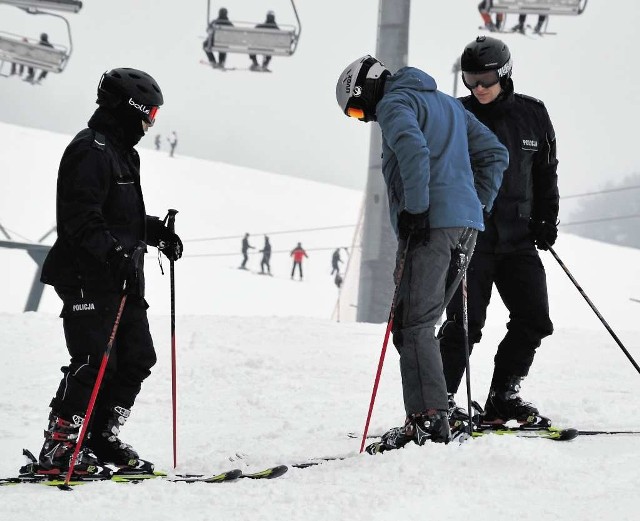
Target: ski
{"x":270,"y":473}
{"x":549,"y":433}
{"x":145,"y":472}
{"x":608,"y":433}
{"x":546,"y":433}
{"x":320,"y":461}
{"x":230,"y":475}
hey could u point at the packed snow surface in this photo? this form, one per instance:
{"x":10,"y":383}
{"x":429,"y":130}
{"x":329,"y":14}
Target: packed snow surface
{"x":265,"y":377}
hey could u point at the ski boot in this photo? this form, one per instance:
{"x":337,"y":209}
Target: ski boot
{"x":504,"y":404}
{"x":59,"y":445}
{"x":459,"y":418}
{"x":418,"y":428}
{"x":110,"y":449}
{"x":518,"y":28}
{"x":491,"y":27}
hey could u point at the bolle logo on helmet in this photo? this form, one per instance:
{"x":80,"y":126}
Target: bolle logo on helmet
{"x":347,"y":82}
{"x":505,"y":69}
{"x":142,"y":108}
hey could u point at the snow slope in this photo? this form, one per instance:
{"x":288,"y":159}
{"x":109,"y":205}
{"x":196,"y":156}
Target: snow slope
{"x":258,"y":378}
{"x":214,"y":200}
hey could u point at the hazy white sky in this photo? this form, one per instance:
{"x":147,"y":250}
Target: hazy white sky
{"x":288,"y":122}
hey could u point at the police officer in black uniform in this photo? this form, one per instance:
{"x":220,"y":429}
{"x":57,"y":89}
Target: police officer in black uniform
{"x":103,"y":231}
{"x":523,"y":217}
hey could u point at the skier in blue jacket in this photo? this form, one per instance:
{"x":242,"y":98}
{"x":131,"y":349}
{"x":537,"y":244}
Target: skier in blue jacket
{"x":441,"y":167}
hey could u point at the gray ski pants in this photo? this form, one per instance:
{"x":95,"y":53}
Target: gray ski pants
{"x":419,"y":305}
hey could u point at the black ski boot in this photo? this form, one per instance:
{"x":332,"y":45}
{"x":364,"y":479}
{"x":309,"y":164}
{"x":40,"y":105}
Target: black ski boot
{"x":418,"y":428}
{"x":60,"y":443}
{"x":459,"y":417}
{"x":110,"y":449}
{"x":504,"y":404}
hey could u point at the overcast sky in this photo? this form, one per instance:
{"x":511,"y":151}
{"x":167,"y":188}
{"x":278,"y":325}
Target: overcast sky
{"x":288,"y":122}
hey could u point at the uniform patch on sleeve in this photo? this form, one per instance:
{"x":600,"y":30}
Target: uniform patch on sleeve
{"x":530,"y":144}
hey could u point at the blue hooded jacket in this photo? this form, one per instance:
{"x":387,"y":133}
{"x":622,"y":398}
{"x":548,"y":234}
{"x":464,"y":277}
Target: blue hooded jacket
{"x":436,"y":155}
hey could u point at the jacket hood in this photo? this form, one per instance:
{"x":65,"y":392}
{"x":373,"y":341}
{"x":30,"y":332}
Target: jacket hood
{"x":410,"y":78}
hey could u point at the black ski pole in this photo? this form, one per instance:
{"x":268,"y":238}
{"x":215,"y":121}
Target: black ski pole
{"x":593,"y":307}
{"x":467,"y":353}
{"x":465,"y":250}
{"x":171,"y":225}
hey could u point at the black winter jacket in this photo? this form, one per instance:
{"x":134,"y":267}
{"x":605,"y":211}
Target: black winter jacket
{"x":530,"y":184}
{"x":98,"y":205}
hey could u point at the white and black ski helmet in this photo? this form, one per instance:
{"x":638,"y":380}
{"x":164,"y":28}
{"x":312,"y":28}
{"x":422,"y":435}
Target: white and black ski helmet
{"x":133,"y":87}
{"x":360,"y":87}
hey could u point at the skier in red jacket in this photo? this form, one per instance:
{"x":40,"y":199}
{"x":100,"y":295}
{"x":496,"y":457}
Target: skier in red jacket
{"x":297,"y":253}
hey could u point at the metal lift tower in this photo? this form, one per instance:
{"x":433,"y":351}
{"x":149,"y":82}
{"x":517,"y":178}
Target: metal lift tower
{"x":378,"y":240}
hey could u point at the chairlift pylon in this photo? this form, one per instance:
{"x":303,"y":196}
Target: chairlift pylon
{"x":21,"y":50}
{"x":245,"y":38}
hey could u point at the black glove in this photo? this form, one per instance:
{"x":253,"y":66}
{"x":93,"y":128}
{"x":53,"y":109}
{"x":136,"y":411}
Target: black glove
{"x":123,"y":267}
{"x":170,"y":244}
{"x":544,"y":233}
{"x":415,"y":225}
{"x":167,"y":241}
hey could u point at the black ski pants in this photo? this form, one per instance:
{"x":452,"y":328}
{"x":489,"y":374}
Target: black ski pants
{"x":293,"y":269}
{"x":521,"y":282}
{"x":88,"y":321}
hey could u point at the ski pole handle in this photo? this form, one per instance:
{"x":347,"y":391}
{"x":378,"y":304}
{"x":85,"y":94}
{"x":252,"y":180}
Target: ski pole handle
{"x":171,"y":219}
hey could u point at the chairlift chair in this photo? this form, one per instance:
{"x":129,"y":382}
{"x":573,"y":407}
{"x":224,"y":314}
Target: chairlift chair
{"x":539,"y":7}
{"x":27,"y":51}
{"x":71,"y":6}
{"x":245,"y":38}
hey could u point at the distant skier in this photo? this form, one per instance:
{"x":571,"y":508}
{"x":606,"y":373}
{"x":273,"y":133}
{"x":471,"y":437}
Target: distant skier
{"x":519,"y":27}
{"x":298,"y":254}
{"x":484,"y":7}
{"x":44,"y":41}
{"x":157,"y":141}
{"x":223,"y":19}
{"x":173,"y":143}
{"x":266,"y":257}
{"x":269,"y":23}
{"x":97,"y":259}
{"x":335,"y":261}
{"x":245,"y":251}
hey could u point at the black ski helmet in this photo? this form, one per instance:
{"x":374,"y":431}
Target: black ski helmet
{"x":487,"y":54}
{"x":125,"y":86}
{"x":360,"y":88}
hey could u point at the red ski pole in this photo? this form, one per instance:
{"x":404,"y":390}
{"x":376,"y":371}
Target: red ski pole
{"x":374,"y":391}
{"x":94,"y":392}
